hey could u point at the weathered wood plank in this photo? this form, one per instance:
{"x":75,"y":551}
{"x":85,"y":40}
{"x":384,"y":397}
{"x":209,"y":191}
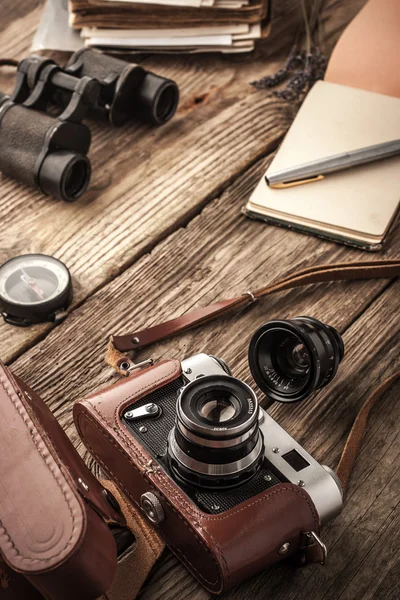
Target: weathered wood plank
{"x":145,"y":185}
{"x":193,"y":267}
{"x":171,"y":279}
{"x":320,"y":424}
{"x":155,"y":274}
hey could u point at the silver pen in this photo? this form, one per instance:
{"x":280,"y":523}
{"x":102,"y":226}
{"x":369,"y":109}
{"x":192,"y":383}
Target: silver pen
{"x":317,"y":169}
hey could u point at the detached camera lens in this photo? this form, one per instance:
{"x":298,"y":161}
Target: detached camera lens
{"x":290,"y":359}
{"x":216,"y":442}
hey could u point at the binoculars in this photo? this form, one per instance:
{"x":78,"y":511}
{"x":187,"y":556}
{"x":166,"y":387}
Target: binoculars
{"x":49,"y":152}
{"x":44,"y":152}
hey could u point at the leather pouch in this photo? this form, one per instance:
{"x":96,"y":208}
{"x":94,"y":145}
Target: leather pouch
{"x":204,"y":542}
{"x":55,"y":529}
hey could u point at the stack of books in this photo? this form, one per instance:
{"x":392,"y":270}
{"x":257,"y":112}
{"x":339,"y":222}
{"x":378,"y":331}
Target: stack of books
{"x":227,"y":26}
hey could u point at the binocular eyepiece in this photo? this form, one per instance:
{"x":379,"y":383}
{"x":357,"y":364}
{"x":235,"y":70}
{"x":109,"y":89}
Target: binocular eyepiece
{"x":44,"y":152}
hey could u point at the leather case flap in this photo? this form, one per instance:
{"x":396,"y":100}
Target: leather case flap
{"x":42,"y":515}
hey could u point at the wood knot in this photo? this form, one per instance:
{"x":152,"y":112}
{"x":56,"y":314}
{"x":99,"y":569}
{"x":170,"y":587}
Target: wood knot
{"x":195,"y":101}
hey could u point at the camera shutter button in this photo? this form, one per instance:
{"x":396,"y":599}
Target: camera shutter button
{"x":152,"y":507}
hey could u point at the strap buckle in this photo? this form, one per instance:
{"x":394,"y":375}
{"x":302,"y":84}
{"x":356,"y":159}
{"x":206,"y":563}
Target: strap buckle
{"x":127,"y":366}
{"x":252,"y":297}
{"x":313,"y":548}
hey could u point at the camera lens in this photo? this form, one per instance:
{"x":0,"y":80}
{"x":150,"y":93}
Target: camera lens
{"x":290,"y":359}
{"x":216,"y":442}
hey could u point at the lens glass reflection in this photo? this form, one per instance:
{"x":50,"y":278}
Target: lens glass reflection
{"x":219,"y":408}
{"x":300,"y":357}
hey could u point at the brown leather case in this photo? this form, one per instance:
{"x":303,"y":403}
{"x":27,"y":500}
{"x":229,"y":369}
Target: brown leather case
{"x":220,"y":550}
{"x":54,"y":536}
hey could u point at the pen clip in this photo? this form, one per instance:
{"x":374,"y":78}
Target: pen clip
{"x":283,"y":185}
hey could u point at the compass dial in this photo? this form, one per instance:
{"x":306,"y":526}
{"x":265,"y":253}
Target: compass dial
{"x":34,"y":286}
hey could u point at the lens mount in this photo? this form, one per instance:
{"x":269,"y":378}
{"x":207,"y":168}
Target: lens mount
{"x":212,"y":469}
{"x":290,"y":359}
{"x":216,"y":441}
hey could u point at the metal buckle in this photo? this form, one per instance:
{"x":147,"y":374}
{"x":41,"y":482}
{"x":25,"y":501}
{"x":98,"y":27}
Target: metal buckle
{"x":252,"y":296}
{"x":127,"y":366}
{"x":309,"y":538}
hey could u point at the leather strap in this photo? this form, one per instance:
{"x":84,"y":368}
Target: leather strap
{"x":133,"y":568}
{"x":354,"y":438}
{"x":380,"y":269}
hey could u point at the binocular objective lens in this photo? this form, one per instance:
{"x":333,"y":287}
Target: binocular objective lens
{"x":166,"y":105}
{"x":76,"y":179}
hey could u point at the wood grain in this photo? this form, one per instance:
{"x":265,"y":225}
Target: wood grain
{"x":161,"y":232}
{"x":170,"y":280}
{"x":147,"y":182}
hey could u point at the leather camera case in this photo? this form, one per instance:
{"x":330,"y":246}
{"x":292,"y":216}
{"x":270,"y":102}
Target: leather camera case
{"x":220,"y":550}
{"x":55,"y":542}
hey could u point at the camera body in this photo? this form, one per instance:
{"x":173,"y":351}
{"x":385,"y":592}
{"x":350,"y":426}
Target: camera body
{"x":230,"y":491}
{"x":274,"y":458}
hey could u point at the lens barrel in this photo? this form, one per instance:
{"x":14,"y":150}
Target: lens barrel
{"x":65,"y":175}
{"x":290,"y":359}
{"x":157,"y":99}
{"x":216,"y":442}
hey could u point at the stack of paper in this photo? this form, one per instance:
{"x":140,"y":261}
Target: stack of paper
{"x":225,"y":38}
{"x":171,"y":25}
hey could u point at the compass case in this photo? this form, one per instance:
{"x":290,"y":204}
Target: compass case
{"x":55,"y":539}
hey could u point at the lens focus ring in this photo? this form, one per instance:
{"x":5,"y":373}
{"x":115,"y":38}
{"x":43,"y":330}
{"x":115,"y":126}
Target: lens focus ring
{"x":216,"y":441}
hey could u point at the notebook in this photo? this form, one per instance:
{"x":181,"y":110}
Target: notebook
{"x":358,"y":206}
{"x":356,"y":106}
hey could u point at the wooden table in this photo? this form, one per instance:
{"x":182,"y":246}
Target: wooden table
{"x":161,"y":231}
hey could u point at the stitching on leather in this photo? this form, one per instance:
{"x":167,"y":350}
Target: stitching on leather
{"x":121,"y":451}
{"x":198,"y":515}
{"x":34,"y":433}
{"x":137,"y":451}
{"x":203,"y":516}
{"x":131,"y":443}
{"x":107,"y":468}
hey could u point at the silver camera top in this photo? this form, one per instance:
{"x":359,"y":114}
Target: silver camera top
{"x":286,"y":458}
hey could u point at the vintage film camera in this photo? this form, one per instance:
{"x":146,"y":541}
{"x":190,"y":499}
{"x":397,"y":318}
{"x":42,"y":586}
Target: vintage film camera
{"x":229,"y":488}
